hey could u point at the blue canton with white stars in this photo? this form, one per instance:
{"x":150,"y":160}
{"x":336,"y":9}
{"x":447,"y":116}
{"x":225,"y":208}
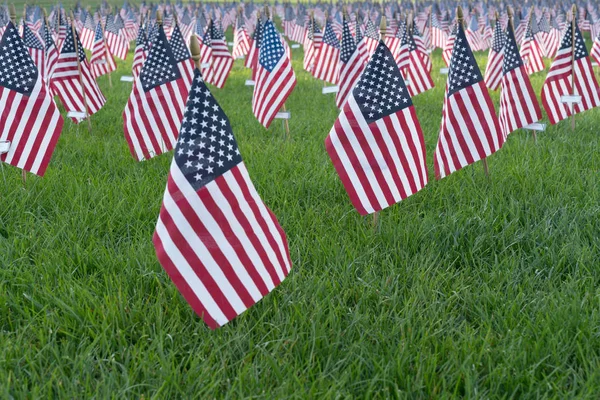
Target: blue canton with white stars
{"x":206,"y":148}
{"x":17,"y":70}
{"x":512,"y":58}
{"x":499,"y":38}
{"x":49,"y":42}
{"x":98,"y":35}
{"x":30,"y":39}
{"x":566,"y":43}
{"x":329,"y":36}
{"x":372,"y":31}
{"x":257,"y":35}
{"x":381,"y":91}
{"x":359,"y":34}
{"x":348,"y":45}
{"x":142,"y":39}
{"x":160,"y":66}
{"x":69,"y":45}
{"x":271,"y":49}
{"x":464,"y":71}
{"x":180,"y":50}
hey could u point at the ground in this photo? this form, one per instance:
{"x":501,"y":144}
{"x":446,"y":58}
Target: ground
{"x":472,"y":287}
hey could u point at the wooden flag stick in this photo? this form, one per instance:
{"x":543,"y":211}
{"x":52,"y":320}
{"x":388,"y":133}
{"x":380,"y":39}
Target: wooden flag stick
{"x":286,"y":123}
{"x":107,"y":52}
{"x":87,"y":111}
{"x":574,"y":13}
{"x":195,"y":50}
{"x":375,"y":220}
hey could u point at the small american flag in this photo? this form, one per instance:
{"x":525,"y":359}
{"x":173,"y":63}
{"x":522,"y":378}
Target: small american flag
{"x":371,"y":38}
{"x":470,"y":130}
{"x":116,"y":42}
{"x":351,"y":65}
{"x":30,"y":119}
{"x":88,"y":33}
{"x":493,"y":70}
{"x":67,"y":82}
{"x":326,"y":61}
{"x":153,"y":114}
{"x":310,"y":47}
{"x":221,"y":60}
{"x":275,"y":77}
{"x":50,"y":54}
{"x":141,"y":52}
{"x":438,"y":36}
{"x":531,"y":48}
{"x":220,"y":244}
{"x":241,"y":41}
{"x":416,"y":69}
{"x":376,"y":144}
{"x":596,"y":49}
{"x":361,"y":42}
{"x":447,"y":52}
{"x":35,"y":47}
{"x":182,"y":56}
{"x":563,"y":73}
{"x":518,"y":104}
{"x":473,"y":35}
{"x":102,"y":61}
{"x":252,"y":59}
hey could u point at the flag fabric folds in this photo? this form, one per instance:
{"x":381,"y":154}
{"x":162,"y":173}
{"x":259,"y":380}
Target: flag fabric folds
{"x":493,"y":70}
{"x":326,"y":61}
{"x":563,"y":72}
{"x":23,"y":93}
{"x":376,"y":144}
{"x":182,"y":56}
{"x":470,"y":130}
{"x":153,"y":114}
{"x":275,"y":77}
{"x":217,"y":240}
{"x":351,"y":65}
{"x":102,"y":61}
{"x":35,"y":47}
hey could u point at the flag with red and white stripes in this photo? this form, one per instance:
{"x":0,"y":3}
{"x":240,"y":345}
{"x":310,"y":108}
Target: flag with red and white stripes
{"x":88,"y":33}
{"x":361,"y":42}
{"x":102,"y":61}
{"x":251,"y":60}
{"x":518,"y":104}
{"x":275,"y":77}
{"x":153,"y":114}
{"x":563,"y":72}
{"x":326,"y":61}
{"x":473,"y":35}
{"x":182,"y":56}
{"x":241,"y":41}
{"x":67,"y":81}
{"x":216,"y":239}
{"x":30,"y":120}
{"x":35,"y":47}
{"x":50,"y":55}
{"x":117,"y":44}
{"x":376,"y":144}
{"x":141,"y":52}
{"x":310,"y":46}
{"x":447,"y":52}
{"x":351,"y":65}
{"x":371,"y":38}
{"x":221,"y":60}
{"x":596,"y":49}
{"x":470,"y":130}
{"x":438,"y":36}
{"x":531,"y":48}
{"x":493,"y":69}
{"x":416,"y":70}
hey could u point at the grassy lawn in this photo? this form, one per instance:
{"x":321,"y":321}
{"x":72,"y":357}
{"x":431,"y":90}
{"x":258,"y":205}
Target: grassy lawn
{"x":472,"y":287}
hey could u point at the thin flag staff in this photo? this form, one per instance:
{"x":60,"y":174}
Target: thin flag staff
{"x":220,"y":244}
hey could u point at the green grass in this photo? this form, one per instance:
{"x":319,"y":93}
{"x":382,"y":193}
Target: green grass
{"x":474,"y":288}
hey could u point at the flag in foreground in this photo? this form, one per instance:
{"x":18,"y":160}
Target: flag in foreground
{"x":470,"y":130}
{"x":220,"y":244}
{"x":376,"y":144}
{"x":23,"y":93}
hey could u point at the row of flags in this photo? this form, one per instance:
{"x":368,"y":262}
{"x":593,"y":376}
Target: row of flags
{"x":219,"y":243}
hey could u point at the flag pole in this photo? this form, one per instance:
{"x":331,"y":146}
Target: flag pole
{"x":13,"y":18}
{"x":574,"y":12}
{"x":87,"y":112}
{"x":106,"y":51}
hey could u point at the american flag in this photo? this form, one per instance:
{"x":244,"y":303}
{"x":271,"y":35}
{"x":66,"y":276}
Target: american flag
{"x":547,"y":38}
{"x":371,"y":38}
{"x":50,"y":54}
{"x":400,"y":45}
{"x":520,"y":27}
{"x":102,"y":61}
{"x":88,"y":33}
{"x":376,"y":144}
{"x":416,"y":70}
{"x":116,"y":42}
{"x":220,"y":60}
{"x":252,"y":59}
{"x":35,"y":47}
{"x":153,"y":114}
{"x":141,"y":51}
{"x":438,"y":36}
{"x":351,"y":66}
{"x":361,"y":42}
{"x":241,"y":41}
{"x":310,"y":46}
{"x":299,"y":31}
{"x":518,"y":104}
{"x":326,"y":62}
{"x":275,"y":77}
{"x":30,"y":119}
{"x":493,"y":70}
{"x":182,"y":56}
{"x":470,"y":130}
{"x":568,"y":76}
{"x":62,"y":30}
{"x":556,"y":34}
{"x":596,"y":49}
{"x":220,"y":244}
{"x":67,"y":81}
{"x":531,"y":48}
{"x":447,"y":52}
{"x":473,"y":35}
